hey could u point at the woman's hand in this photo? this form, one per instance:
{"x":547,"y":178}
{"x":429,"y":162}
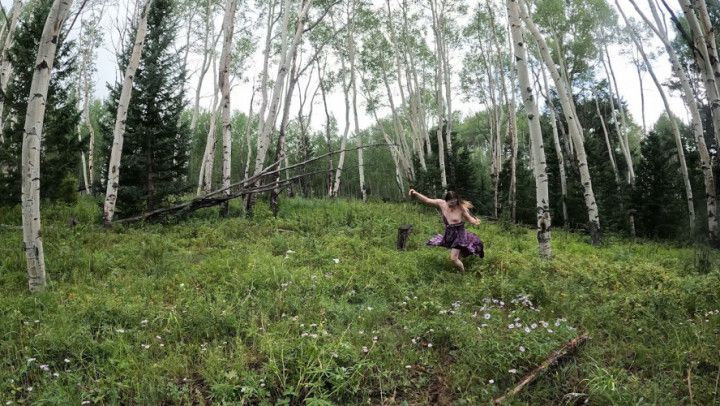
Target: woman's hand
{"x":411,"y":193}
{"x":475,"y":221}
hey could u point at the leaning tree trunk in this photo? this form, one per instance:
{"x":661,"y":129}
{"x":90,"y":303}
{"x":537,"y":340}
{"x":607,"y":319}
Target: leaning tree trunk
{"x":207,"y":52}
{"x":623,"y":124}
{"x":542,"y":196}
{"x":113,"y":181}
{"x":341,"y":160}
{"x":611,"y":155}
{"x":696,"y":119}
{"x":6,"y":67}
{"x":353,"y":83}
{"x":224,"y":83}
{"x":286,"y":55}
{"x":573,"y":124}
{"x":705,"y":54}
{"x":32,"y":145}
{"x":439,"y":96}
{"x":673,"y":122}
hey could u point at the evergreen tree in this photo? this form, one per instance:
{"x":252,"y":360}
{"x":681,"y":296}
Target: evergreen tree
{"x":157,"y":145}
{"x":61,"y":148}
{"x":658,"y":190}
{"x":462,"y":173}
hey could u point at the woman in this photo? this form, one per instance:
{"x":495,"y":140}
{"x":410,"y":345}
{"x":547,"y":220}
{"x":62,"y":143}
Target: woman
{"x":454,"y":211}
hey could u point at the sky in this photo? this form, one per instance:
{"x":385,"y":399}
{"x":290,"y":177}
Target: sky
{"x":625,"y":71}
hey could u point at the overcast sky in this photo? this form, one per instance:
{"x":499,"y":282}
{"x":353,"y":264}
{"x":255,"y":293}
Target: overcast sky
{"x":625,"y":71}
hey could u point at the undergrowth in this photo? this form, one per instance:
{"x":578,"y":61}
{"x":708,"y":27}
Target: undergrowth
{"x":316,"y":307}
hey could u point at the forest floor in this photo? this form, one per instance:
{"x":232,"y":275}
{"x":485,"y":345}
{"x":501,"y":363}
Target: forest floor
{"x":317,"y":307}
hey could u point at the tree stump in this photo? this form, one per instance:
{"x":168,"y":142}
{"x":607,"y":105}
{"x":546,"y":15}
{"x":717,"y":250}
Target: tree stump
{"x":403,"y":236}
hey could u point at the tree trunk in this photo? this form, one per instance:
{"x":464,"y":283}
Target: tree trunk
{"x":619,"y":122}
{"x":573,"y":125}
{"x":439,"y":95}
{"x":207,"y":57}
{"x":246,"y":134}
{"x":341,"y":161}
{"x":264,"y":78}
{"x":353,"y":83}
{"x":696,"y":122}
{"x":6,"y":68}
{"x":611,"y":154}
{"x":328,"y":120}
{"x":32,"y":145}
{"x":642,"y":94}
{"x":286,"y":55}
{"x":706,"y":59}
{"x":542,"y":196}
{"x":224,"y":82}
{"x":673,"y":122}
{"x":113,"y":181}
{"x":207,"y":166}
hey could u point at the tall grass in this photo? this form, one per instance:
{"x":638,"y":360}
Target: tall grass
{"x":316,"y":307}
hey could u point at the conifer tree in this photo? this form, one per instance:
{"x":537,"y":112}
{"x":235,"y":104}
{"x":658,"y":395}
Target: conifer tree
{"x":156,"y":145}
{"x":61,"y":148}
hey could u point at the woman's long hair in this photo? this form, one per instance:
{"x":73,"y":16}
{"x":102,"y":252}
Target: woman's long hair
{"x":453,"y":199}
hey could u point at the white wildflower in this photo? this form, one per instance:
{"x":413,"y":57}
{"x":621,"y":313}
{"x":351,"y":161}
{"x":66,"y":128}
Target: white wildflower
{"x":522,"y":349}
{"x":512,"y":371}
{"x":492,"y":381}
{"x":45,"y":367}
{"x":527,"y":329}
{"x":67,"y":361}
{"x":145,"y":346}
{"x":408,"y":366}
{"x":533,"y":326}
{"x":487,"y":316}
{"x":29,"y":388}
{"x":429,"y":345}
{"x":365,"y":350}
{"x":30,"y":360}
{"x":119,"y":330}
{"x":336,"y":260}
{"x":144,"y":322}
{"x":56,"y":375}
{"x":511,"y":326}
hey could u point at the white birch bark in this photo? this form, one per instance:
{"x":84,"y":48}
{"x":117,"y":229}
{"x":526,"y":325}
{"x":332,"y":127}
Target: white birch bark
{"x":704,"y":59}
{"x":353,"y":84}
{"x":113,"y":181}
{"x":439,"y":95}
{"x":696,"y":119}
{"x":32,"y":145}
{"x":573,"y":124}
{"x":346,"y":131}
{"x":6,"y":69}
{"x":224,"y":83}
{"x":542,"y":196}
{"x":673,"y":122}
{"x":264,"y":75}
{"x":623,"y":128}
{"x":286,"y":53}
{"x":611,"y":155}
{"x":207,"y":166}
{"x":208,"y":53}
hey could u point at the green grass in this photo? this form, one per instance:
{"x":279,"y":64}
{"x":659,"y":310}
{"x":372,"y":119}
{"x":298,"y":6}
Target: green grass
{"x":258,"y":312}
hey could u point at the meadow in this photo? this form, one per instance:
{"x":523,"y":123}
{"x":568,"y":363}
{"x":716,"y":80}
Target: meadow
{"x":317,"y":307}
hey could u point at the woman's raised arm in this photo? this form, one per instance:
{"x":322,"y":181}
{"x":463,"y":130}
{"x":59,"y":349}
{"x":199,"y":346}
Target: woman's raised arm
{"x":424,"y":199}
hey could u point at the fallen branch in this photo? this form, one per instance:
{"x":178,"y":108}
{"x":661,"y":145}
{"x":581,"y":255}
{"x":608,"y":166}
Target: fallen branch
{"x":550,"y":361}
{"x":206,"y":201}
{"x":243,"y":188}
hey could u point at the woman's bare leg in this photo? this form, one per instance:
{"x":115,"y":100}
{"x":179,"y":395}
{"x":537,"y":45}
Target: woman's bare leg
{"x":455,"y":259}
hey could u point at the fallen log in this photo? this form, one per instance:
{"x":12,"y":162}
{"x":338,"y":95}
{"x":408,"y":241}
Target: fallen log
{"x":239,"y":189}
{"x":550,"y":361}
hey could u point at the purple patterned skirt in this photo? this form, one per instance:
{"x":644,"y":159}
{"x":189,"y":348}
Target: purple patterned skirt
{"x":456,"y":237}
